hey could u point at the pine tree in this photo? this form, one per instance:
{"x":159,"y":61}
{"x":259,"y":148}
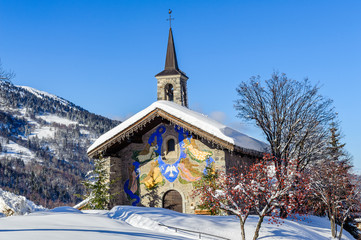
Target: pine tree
{"x":208,"y":179}
{"x":97,"y":185}
{"x":335,"y":148}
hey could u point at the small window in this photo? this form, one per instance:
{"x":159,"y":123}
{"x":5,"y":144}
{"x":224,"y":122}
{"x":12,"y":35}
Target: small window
{"x":170,"y":145}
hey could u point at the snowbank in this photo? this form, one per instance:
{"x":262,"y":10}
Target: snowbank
{"x":311,"y":228}
{"x":130,"y":216}
{"x":12,"y":204}
{"x":65,"y":209}
{"x":139,"y":223}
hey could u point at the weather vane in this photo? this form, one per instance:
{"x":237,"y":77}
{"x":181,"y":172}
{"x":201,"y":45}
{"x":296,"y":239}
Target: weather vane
{"x":170,"y":18}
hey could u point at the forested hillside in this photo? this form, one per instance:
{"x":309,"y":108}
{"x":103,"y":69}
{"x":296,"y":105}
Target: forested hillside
{"x":43,"y":143}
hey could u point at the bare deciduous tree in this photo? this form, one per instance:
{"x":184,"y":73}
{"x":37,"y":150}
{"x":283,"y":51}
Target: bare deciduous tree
{"x":6,"y":75}
{"x":292,"y":114}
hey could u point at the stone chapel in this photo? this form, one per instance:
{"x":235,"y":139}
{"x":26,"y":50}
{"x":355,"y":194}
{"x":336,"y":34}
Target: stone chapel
{"x":155,"y":156}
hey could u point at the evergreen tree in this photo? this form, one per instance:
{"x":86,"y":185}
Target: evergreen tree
{"x":209,"y":179}
{"x":97,"y":185}
{"x":335,"y":148}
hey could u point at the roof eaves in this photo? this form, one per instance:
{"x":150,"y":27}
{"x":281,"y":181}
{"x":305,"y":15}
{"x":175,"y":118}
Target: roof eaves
{"x":170,"y":72}
{"x":123,"y":134}
{"x":119,"y":137}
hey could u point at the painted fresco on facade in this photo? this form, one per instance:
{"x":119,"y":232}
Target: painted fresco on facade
{"x":187,"y":168}
{"x":131,"y":186}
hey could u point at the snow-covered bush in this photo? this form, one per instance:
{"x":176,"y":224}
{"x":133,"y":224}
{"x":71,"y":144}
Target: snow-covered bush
{"x":261,"y":188}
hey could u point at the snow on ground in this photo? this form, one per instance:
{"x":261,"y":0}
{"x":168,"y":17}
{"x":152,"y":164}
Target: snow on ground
{"x":84,"y":131}
{"x":48,"y":131}
{"x":12,"y":204}
{"x":50,"y":118}
{"x":43,"y":132}
{"x":23,"y":112}
{"x":127,"y":222}
{"x":13,"y":149}
{"x":226,"y":226}
{"x":68,"y":223}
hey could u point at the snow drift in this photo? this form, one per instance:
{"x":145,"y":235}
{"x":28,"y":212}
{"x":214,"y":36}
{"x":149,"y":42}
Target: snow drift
{"x":12,"y":204}
{"x":128,"y":222}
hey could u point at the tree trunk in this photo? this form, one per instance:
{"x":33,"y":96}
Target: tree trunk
{"x":243,"y":234}
{"x":283,"y":212}
{"x":331,"y":216}
{"x":340,"y":234}
{"x":333,"y":226}
{"x":256,"y":233}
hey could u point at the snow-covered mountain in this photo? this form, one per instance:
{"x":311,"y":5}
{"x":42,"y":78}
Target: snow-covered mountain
{"x":43,"y":142}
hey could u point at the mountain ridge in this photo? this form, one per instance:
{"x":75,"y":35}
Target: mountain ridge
{"x":44,"y":135}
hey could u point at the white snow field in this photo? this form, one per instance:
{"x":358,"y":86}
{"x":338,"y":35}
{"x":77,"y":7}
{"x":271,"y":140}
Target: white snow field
{"x":127,"y":222}
{"x":12,"y":149}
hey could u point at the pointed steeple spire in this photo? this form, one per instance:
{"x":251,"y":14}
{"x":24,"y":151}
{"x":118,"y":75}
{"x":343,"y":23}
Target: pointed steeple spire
{"x":171,"y":58}
{"x":171,"y":63}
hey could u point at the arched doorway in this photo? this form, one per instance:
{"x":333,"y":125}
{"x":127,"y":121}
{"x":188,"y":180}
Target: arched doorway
{"x":173,"y":200}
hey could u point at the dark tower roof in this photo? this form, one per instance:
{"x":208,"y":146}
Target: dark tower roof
{"x":171,"y":58}
{"x":171,"y":63}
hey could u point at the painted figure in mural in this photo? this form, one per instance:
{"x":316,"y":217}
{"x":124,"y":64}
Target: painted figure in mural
{"x":149,"y":152}
{"x":189,"y":171}
{"x":131,"y":186}
{"x":186,"y":168}
{"x":154,"y":176}
{"x":194,"y":152}
{"x":133,"y":182}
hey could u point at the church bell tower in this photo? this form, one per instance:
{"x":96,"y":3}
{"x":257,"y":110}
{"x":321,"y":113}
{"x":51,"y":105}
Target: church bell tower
{"x":172,"y":82}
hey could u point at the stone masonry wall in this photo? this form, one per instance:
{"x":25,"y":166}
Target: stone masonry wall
{"x":143,"y":173}
{"x":177,"y":83}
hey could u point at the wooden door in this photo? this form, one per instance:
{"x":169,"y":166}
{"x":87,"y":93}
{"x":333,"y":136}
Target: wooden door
{"x":173,"y":200}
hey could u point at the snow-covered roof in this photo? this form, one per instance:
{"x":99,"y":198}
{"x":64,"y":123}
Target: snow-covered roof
{"x":191,"y":117}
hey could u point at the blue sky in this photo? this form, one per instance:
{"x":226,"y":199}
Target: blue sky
{"x":103,"y":55}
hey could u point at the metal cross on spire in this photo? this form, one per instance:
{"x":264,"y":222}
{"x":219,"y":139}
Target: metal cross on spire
{"x":170,"y":18}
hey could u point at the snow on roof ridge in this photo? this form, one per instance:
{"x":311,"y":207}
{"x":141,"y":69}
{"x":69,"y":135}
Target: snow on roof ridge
{"x":196,"y":119}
